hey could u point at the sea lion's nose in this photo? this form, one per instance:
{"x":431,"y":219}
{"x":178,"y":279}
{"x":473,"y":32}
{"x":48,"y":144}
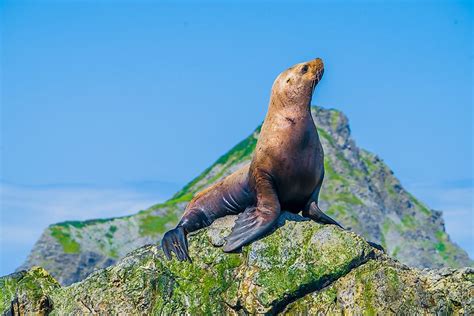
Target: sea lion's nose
{"x":317,"y":63}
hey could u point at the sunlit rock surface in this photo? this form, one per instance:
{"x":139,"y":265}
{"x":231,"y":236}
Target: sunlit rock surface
{"x":300,"y":268}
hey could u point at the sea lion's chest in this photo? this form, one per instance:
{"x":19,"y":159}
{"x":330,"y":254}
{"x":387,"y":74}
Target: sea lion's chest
{"x":289,"y":149}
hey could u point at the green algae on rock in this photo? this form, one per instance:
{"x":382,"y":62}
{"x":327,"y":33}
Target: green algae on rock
{"x":27,"y":292}
{"x":300,"y":268}
{"x":386,"y":287}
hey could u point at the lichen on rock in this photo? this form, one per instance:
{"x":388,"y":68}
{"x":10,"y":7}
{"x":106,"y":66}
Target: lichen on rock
{"x":27,"y":292}
{"x":300,"y":268}
{"x":383,"y":286}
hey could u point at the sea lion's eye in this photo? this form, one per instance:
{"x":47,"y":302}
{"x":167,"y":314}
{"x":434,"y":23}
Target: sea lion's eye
{"x":304,"y":69}
{"x":288,"y":80}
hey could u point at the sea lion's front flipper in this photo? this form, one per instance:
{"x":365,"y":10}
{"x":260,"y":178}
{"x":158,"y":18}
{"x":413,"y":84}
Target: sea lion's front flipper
{"x":175,"y":241}
{"x":251,"y":225}
{"x":255,"y":222}
{"x":228,"y":196}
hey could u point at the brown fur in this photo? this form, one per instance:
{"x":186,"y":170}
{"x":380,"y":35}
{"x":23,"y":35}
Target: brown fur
{"x":286,"y":171}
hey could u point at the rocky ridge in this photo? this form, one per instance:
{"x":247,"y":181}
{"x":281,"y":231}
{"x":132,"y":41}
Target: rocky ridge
{"x":300,"y":268}
{"x":359,"y":190}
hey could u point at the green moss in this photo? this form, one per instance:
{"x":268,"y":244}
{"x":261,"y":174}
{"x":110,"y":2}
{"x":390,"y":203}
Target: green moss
{"x":391,"y":191}
{"x":329,"y":260}
{"x":326,"y":136}
{"x":81,"y":224}
{"x":348,"y":198}
{"x":113,"y":253}
{"x":383,"y":241}
{"x":182,"y":198}
{"x":440,"y":235}
{"x":333,"y":176}
{"x":420,"y":205}
{"x":112,"y":229}
{"x":153,"y":224}
{"x":63,"y":236}
{"x":386,"y":226}
{"x":369,"y":276}
{"x":441,"y":247}
{"x":368,"y":292}
{"x":110,"y":232}
{"x":354,"y":172}
{"x":200,"y":286}
{"x":366,"y":158}
{"x":330,"y":295}
{"x":396,"y":251}
{"x":393,"y":278}
{"x":33,"y":285}
{"x":409,"y":221}
{"x":334,"y":119}
{"x":445,"y":248}
{"x":335,"y":209}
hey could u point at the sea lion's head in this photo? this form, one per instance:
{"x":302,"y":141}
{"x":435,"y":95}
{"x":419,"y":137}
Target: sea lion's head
{"x":296,"y":84}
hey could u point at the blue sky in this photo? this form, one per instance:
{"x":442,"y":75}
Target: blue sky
{"x":109,"y":107}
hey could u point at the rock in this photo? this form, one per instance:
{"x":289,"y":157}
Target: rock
{"x":300,"y":268}
{"x":384,"y":286}
{"x":359,"y":191}
{"x":27,"y":292}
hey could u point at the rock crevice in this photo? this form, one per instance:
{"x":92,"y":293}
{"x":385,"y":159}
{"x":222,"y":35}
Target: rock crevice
{"x":318,"y":285}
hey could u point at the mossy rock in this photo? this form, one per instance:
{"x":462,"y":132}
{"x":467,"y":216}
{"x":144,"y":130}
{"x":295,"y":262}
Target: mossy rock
{"x":299,"y":257}
{"x":300,"y":268}
{"x":27,"y":292}
{"x":386,"y":287}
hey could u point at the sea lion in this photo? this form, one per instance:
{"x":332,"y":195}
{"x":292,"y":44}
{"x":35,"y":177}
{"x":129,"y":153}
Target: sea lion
{"x":286,"y":171}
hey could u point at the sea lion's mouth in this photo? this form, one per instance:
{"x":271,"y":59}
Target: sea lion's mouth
{"x":317,"y":78}
{"x":319,"y":74}
{"x":317,"y":66}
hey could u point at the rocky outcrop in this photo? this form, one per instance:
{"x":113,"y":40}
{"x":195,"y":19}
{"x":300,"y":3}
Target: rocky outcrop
{"x":359,"y":190}
{"x":300,"y":268}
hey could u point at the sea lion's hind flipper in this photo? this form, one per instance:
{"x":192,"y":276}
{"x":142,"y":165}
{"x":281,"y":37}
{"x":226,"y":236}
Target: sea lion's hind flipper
{"x":175,"y":241}
{"x":250,"y":225}
{"x":318,"y":216}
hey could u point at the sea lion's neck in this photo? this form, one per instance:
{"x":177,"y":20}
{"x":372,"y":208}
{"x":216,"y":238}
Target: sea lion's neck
{"x":291,"y":107}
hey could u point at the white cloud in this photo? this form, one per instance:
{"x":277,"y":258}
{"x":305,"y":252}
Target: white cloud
{"x":25,"y":211}
{"x":49,"y":205}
